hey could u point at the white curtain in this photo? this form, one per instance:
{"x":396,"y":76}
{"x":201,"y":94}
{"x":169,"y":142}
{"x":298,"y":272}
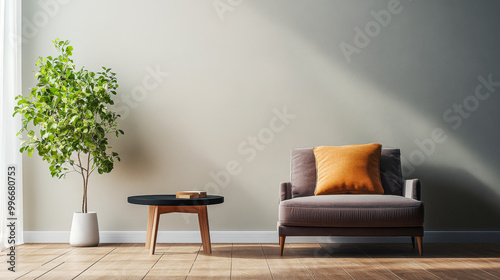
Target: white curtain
{"x":11,"y":220}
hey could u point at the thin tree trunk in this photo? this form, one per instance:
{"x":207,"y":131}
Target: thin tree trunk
{"x":85,"y":177}
{"x":84,"y":203}
{"x":87,"y":183}
{"x":84,"y":183}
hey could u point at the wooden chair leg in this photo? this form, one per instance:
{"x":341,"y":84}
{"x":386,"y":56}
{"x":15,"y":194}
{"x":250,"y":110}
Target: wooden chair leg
{"x":413,"y":242}
{"x":282,"y":244}
{"x":420,"y":245}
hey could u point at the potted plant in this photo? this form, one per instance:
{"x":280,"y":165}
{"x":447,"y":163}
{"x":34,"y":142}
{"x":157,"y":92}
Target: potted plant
{"x":69,"y":111}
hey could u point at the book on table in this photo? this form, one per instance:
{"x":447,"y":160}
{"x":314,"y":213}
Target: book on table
{"x":191,"y":194}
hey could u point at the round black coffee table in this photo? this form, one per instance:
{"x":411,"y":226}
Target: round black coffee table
{"x":161,"y":204}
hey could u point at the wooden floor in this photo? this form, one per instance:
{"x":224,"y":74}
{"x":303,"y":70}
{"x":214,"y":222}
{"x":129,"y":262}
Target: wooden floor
{"x":255,"y":261}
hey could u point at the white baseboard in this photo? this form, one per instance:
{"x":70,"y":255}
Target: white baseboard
{"x":261,"y":237}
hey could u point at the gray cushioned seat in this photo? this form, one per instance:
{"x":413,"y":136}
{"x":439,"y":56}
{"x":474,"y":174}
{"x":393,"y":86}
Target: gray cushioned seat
{"x":348,"y":210}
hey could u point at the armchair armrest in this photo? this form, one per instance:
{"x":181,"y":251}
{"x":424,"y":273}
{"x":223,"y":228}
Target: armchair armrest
{"x":285,"y":191}
{"x":412,"y":189}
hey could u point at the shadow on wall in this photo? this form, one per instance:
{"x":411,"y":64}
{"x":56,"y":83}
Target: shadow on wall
{"x":136,"y":155}
{"x":455,"y":197}
{"x":427,"y":66}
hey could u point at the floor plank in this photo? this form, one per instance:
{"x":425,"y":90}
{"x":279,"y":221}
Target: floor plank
{"x":444,"y":261}
{"x":356,"y":263}
{"x":33,"y":260}
{"x":390,"y":257}
{"x":318,"y":262}
{"x":214,"y":266}
{"x":40,"y":270}
{"x":249,"y":262}
{"x":481,"y":256}
{"x":120,"y":270}
{"x":67,"y":270}
{"x":285,"y":267}
{"x":176,"y":262}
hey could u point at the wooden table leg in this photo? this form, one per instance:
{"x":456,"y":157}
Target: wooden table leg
{"x":150,"y":225}
{"x":154,"y":219}
{"x":154,"y":229}
{"x":204,"y":230}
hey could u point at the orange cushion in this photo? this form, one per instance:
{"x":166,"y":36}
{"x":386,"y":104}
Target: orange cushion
{"x":353,"y":169}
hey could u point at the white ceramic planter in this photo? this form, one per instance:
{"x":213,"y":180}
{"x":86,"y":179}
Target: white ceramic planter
{"x":84,"y":230}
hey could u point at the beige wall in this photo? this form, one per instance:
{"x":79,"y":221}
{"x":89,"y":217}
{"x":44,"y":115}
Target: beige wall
{"x":228,"y":74}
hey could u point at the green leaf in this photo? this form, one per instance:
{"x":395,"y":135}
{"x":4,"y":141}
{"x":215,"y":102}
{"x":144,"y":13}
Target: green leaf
{"x":37,"y":120}
{"x":73,"y":119}
{"x":69,"y":109}
{"x":89,"y":144}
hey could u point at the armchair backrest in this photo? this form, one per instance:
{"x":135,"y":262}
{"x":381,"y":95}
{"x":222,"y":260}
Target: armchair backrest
{"x":303,"y":171}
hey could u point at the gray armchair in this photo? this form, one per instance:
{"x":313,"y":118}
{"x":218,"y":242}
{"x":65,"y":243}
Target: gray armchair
{"x":397,"y":212}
